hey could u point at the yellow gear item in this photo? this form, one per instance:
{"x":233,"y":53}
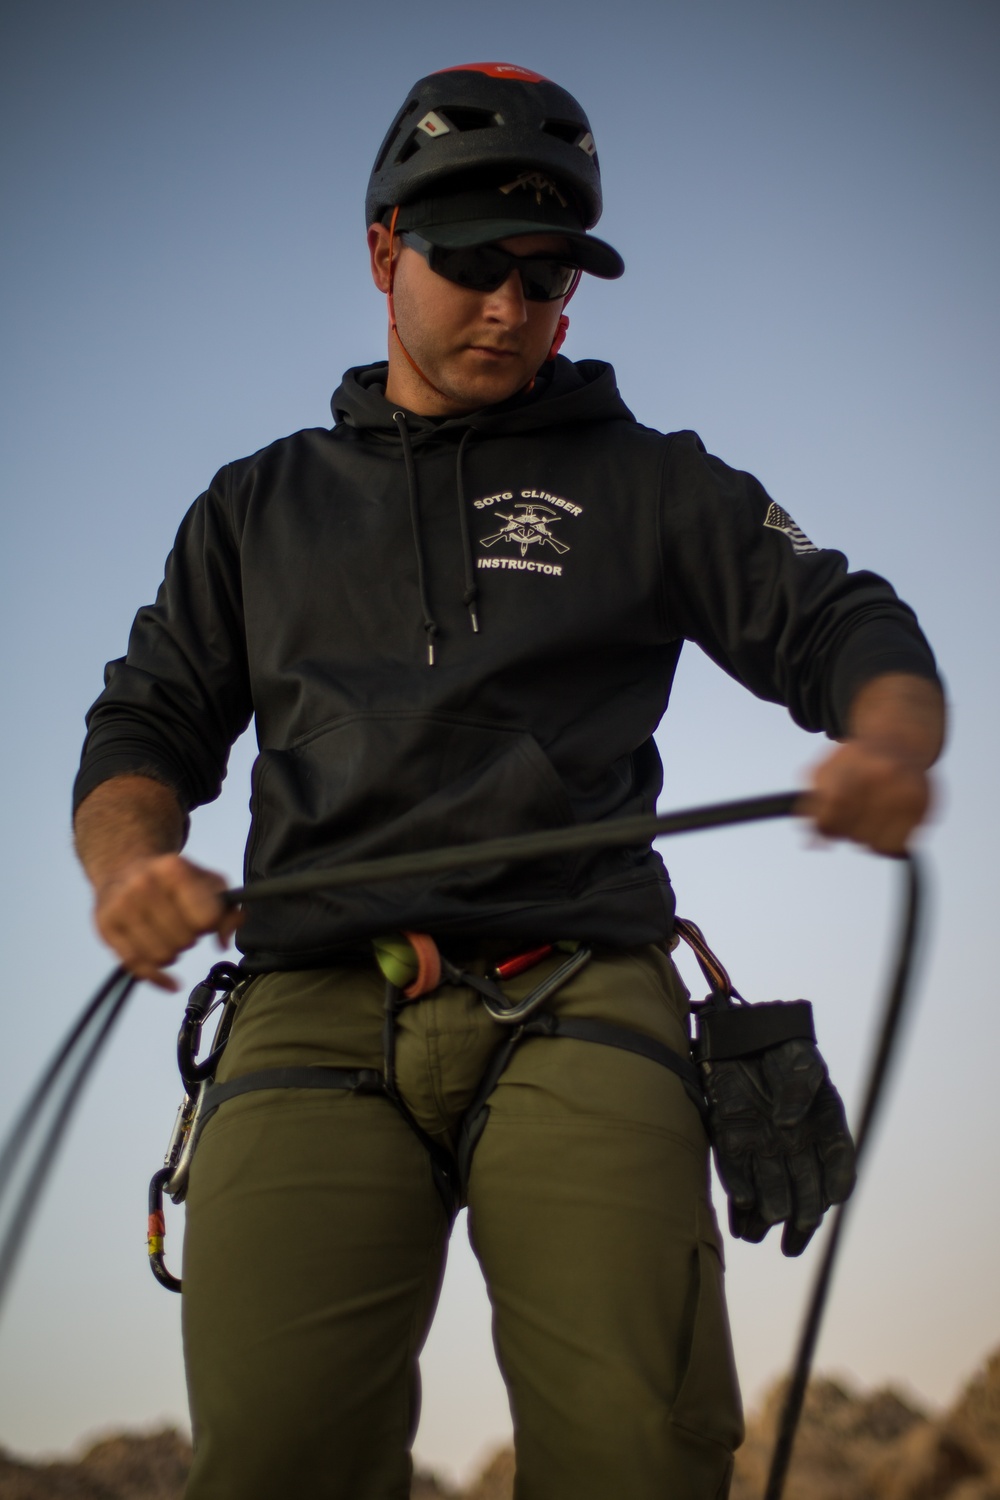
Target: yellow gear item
{"x":396,"y":958}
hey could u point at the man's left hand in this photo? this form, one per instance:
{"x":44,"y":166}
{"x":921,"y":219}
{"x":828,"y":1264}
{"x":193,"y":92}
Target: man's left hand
{"x":869,"y":795}
{"x":874,"y":788}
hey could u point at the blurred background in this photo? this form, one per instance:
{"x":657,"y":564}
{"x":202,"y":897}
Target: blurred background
{"x":806,"y":199}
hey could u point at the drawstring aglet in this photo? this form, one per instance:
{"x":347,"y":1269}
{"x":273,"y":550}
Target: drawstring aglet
{"x":474,"y":619}
{"x":430,"y":653}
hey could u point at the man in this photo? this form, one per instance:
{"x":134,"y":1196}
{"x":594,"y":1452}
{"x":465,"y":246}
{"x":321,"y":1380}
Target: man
{"x":458,"y":615}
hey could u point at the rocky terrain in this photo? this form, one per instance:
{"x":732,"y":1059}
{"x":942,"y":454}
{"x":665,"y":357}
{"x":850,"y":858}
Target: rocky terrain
{"x":881,"y":1447}
{"x":851,"y":1446}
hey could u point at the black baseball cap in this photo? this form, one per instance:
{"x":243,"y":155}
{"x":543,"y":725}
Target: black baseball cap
{"x":528,"y":203}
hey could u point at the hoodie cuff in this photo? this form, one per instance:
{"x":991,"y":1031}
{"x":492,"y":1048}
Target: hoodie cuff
{"x":861,"y":659}
{"x":104,"y":766}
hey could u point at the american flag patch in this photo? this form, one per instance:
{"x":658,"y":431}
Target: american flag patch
{"x":779,"y":520}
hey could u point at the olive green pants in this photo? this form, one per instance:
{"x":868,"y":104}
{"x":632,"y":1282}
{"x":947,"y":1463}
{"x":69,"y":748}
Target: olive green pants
{"x":316,"y":1244}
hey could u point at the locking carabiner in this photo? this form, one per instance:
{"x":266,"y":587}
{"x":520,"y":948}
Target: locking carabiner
{"x":217,"y":989}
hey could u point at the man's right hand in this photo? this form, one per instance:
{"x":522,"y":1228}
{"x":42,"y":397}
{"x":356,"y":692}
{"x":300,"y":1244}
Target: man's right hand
{"x":150,"y":903}
{"x":152,"y":910}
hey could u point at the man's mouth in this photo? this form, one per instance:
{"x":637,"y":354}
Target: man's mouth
{"x":490,"y":351}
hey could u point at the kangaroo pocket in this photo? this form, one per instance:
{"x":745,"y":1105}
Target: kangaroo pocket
{"x":377,"y":784}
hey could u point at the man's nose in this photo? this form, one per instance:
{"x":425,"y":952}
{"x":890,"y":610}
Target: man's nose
{"x":508,"y":301}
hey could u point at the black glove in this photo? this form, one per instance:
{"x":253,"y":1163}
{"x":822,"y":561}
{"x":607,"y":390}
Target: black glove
{"x":777,"y":1126}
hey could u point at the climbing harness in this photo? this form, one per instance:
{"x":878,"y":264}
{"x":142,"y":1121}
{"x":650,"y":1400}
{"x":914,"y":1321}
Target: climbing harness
{"x":524,"y":1017}
{"x":55,"y":1096}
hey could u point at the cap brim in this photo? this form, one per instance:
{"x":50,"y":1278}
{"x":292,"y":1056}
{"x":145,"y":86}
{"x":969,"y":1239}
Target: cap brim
{"x":588,"y":252}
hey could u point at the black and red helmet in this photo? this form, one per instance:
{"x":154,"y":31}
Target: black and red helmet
{"x":479,"y":122}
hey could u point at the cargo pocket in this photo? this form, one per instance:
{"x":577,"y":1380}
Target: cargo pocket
{"x":708,"y":1403}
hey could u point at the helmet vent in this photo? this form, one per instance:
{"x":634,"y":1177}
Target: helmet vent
{"x":410,"y":149}
{"x":394,"y":135}
{"x":567,"y":130}
{"x":465,"y":118}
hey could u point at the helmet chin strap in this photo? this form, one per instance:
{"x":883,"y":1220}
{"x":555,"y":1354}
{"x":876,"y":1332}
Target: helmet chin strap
{"x":560,"y":334}
{"x":562,"y":327}
{"x":392,"y":310}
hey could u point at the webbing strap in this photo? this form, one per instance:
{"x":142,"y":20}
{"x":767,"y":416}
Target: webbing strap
{"x":354,"y":1080}
{"x":578,"y":1029}
{"x":351,"y":1080}
{"x":474,"y":1120}
{"x":605,"y":1033}
{"x":730,"y":1031}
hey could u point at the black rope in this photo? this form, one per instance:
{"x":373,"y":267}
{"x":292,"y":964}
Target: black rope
{"x":22,"y":1124}
{"x":888,"y":1034}
{"x":106,"y":1006}
{"x":102,"y":1012}
{"x":97,"y":1023}
{"x":614,"y":833}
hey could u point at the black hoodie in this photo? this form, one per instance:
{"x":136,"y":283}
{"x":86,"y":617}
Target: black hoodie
{"x":312,"y":582}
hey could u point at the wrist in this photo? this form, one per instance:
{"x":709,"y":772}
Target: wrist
{"x":124,"y":824}
{"x":899,"y":717}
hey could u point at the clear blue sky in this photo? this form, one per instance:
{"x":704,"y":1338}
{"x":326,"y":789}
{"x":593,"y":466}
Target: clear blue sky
{"x":806,"y":198}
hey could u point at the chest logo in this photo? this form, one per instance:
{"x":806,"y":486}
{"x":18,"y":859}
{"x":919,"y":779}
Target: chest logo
{"x":528,"y":527}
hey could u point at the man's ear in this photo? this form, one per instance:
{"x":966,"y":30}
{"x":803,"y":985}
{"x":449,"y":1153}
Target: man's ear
{"x":378,"y":251}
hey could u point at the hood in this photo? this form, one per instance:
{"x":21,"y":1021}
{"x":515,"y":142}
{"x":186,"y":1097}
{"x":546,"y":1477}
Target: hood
{"x":564,"y":392}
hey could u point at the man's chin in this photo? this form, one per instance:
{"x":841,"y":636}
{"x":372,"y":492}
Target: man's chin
{"x":488,"y":385}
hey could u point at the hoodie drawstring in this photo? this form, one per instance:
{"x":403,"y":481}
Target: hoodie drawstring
{"x":471,"y":594}
{"x":430,"y":624}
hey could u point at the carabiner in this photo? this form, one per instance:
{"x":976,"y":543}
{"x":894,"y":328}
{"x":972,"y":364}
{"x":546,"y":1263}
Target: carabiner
{"x":222,"y":979}
{"x":156,"y":1230}
{"x":513,"y":1015}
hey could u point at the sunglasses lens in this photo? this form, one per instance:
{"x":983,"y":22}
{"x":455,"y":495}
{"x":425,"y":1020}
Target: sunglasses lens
{"x":545,"y":280}
{"x":483,"y":268}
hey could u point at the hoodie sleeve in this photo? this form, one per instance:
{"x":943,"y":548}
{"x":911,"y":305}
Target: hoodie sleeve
{"x":785,"y":618}
{"x":174,"y":704}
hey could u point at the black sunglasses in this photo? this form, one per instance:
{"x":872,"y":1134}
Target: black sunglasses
{"x":483,"y":268}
